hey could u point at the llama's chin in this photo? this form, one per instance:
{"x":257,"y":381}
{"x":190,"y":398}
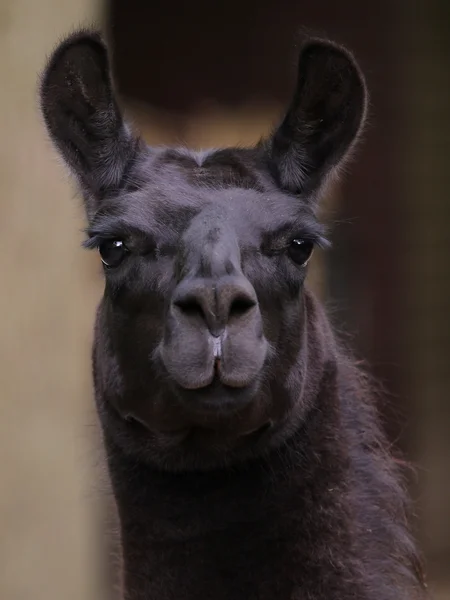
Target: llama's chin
{"x":204,"y":443}
{"x":206,"y":437}
{"x":210,"y":422}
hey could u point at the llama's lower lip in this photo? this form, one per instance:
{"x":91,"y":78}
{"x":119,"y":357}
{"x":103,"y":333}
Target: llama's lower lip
{"x":217,"y":396}
{"x":205,"y":433}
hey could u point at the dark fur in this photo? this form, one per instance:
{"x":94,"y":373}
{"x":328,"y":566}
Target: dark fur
{"x":264,"y":476}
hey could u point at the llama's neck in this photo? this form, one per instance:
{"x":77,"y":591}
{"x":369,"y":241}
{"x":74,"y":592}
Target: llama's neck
{"x":190,"y":535}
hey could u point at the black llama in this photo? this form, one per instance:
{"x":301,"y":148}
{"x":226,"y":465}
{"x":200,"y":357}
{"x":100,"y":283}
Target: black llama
{"x":243,"y":447}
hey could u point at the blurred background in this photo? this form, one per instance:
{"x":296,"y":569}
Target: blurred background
{"x":213,"y":74}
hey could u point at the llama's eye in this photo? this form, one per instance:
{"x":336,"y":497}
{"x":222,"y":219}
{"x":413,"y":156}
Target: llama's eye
{"x":112,"y":252}
{"x":300,"y":251}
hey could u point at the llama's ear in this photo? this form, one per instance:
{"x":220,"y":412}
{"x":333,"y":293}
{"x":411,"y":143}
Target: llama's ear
{"x":323,"y":121}
{"x":83,"y":118}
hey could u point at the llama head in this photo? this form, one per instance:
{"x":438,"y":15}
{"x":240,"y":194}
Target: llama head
{"x":199,"y":350}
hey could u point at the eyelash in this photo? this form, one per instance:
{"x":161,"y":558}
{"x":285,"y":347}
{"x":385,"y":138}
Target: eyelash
{"x":93,"y":243}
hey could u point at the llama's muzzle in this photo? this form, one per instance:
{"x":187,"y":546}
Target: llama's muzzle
{"x":213,"y":332}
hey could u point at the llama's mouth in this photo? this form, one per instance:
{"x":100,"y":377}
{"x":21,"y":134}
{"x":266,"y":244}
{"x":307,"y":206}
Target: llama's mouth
{"x":195,"y":359}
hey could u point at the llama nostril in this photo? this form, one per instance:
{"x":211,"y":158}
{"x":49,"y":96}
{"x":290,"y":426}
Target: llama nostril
{"x":190,"y":307}
{"x":240,"y":305}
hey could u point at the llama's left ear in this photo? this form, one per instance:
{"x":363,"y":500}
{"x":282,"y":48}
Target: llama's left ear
{"x":83,"y":118}
{"x":323,"y":121}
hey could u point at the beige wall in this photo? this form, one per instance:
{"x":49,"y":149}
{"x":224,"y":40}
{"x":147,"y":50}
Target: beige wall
{"x":47,"y":297}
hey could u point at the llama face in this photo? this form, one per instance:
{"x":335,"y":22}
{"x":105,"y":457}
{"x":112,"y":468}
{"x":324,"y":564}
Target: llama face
{"x":203,"y":280}
{"x":205,"y":254}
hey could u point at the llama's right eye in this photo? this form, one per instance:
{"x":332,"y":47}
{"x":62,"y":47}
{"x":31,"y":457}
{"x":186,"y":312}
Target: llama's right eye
{"x":112,"y":252}
{"x":300,"y":251}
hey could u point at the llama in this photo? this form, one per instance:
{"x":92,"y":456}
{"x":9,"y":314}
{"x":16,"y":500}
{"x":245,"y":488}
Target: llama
{"x":242,"y":443}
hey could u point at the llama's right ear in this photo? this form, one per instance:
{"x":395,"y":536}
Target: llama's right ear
{"x":83,"y":118}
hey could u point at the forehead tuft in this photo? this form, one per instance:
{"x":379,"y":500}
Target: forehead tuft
{"x":214,"y":169}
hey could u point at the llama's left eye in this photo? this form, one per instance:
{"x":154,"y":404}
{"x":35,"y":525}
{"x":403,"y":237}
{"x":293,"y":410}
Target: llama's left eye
{"x":300,"y":251}
{"x":112,"y":252}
